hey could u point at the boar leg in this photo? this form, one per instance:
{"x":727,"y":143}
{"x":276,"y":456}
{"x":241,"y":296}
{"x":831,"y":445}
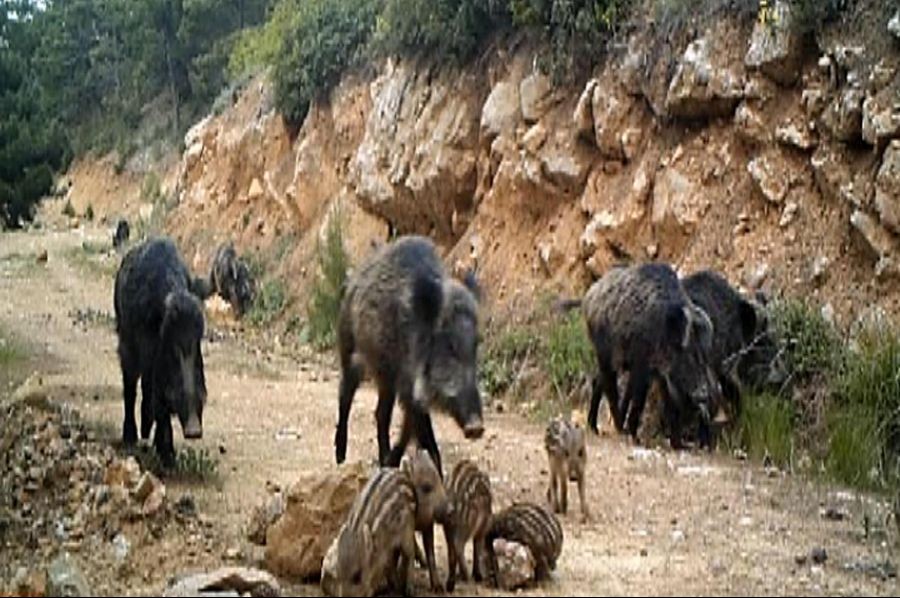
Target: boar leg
{"x":129,"y":384}
{"x":351,"y":376}
{"x":450,"y":539}
{"x":425,"y":435}
{"x":478,"y":551}
{"x":584,"y":508}
{"x":636,"y":397}
{"x":162,"y":439}
{"x":147,"y":416}
{"x":383,"y":413}
{"x":428,"y":540}
{"x":673,"y":419}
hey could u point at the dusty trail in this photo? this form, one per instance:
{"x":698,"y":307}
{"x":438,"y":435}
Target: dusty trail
{"x":664,"y":523}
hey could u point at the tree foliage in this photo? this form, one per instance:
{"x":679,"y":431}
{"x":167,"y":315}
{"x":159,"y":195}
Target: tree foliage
{"x":76,"y":75}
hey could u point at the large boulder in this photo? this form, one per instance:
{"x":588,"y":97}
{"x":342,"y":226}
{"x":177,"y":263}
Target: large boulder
{"x":317,"y":505}
{"x":887,"y":188}
{"x":776,"y":47}
{"x":616,"y":207}
{"x":750,"y":124}
{"x":228,"y":581}
{"x":613,"y":111}
{"x":700,"y":88}
{"x":501,"y":111}
{"x":881,"y":117}
{"x":417,"y":162}
{"x":565,"y":162}
{"x":679,"y":203}
{"x":772,"y":176}
{"x":583,"y":116}
{"x":844,"y":115}
{"x":879,"y":240}
{"x":536,"y":94}
{"x":839,"y":179}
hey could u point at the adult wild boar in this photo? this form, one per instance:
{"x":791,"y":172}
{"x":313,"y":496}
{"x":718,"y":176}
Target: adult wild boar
{"x":415,"y":330}
{"x":742,"y":352}
{"x":230,"y":278}
{"x":641,"y":321}
{"x":159,"y":324}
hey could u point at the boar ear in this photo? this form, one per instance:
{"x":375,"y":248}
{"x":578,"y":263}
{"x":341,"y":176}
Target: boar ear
{"x":747,"y":315}
{"x":406,"y":465}
{"x":471,"y":282}
{"x":678,"y":330}
{"x":424,"y":456}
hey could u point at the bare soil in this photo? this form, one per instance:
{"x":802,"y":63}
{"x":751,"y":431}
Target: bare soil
{"x":664,"y":523}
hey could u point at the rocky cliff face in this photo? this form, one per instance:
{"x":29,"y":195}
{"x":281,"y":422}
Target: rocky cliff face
{"x":746,"y":148}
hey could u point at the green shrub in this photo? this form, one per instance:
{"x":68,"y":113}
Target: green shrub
{"x":328,"y":289}
{"x":270,"y":301}
{"x":504,"y":354}
{"x":447,"y":28}
{"x":151,"y":188}
{"x":68,"y":209}
{"x":864,"y":413}
{"x":322,"y":40}
{"x":191,"y":465}
{"x":810,"y":16}
{"x":810,"y":345}
{"x":258,"y":47}
{"x":575,"y":31}
{"x":10,"y":351}
{"x":569,"y":353}
{"x":766,"y":428}
{"x":89,"y":213}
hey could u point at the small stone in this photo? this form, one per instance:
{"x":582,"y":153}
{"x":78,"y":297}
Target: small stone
{"x":788,"y":214}
{"x":64,"y":578}
{"x":233,"y":553}
{"x":30,"y":583}
{"x":255,"y":189}
{"x":120,"y":547}
{"x":828,"y":313}
{"x":123,"y":472}
{"x":233,"y":581}
{"x":795,"y":135}
{"x":154,"y":502}
{"x":833,"y":514}
{"x":515,"y":564}
{"x":145,"y":486}
{"x":756,"y":277}
{"x":818,"y":555}
{"x":820,"y":268}
{"x":185,"y":506}
{"x":894,"y":25}
{"x":42,"y":256}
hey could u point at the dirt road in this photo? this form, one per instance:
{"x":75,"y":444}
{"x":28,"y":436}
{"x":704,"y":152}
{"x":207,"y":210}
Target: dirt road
{"x":664,"y":523}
